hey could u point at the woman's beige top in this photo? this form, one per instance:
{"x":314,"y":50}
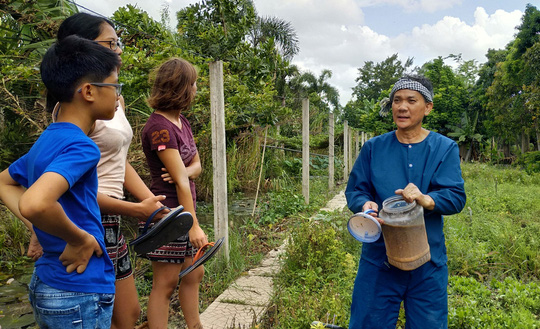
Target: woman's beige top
{"x":113,"y":138}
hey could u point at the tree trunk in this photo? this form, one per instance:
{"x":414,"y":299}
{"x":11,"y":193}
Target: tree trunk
{"x":469,"y":151}
{"x":524,"y":142}
{"x":506,"y":149}
{"x":537,"y":135}
{"x":463,"y":152}
{"x":2,"y":121}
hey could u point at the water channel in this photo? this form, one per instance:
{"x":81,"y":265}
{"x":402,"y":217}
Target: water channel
{"x":15,"y":310}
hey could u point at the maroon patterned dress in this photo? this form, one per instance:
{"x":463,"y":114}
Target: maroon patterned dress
{"x":159,"y":134}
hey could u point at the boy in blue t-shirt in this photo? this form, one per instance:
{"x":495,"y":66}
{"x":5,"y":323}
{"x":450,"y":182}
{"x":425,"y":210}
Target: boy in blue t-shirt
{"x":73,"y":282}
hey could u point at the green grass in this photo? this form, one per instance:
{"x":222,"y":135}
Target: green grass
{"x":492,"y":246}
{"x":317,"y":276}
{"x":248,"y":243}
{"x":13,"y":241}
{"x":498,"y":233}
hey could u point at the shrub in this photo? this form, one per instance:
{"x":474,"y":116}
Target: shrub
{"x":318,"y":274}
{"x":530,"y":161}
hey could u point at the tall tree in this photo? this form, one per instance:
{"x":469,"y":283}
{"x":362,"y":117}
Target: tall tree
{"x":327,"y":94}
{"x":27,"y":29}
{"x":531,"y":90}
{"x":278,"y":37}
{"x":506,"y":96}
{"x":466,"y":132}
{"x":450,"y":96}
{"x":505,"y":102}
{"x":215,"y":28}
{"x":147,"y":43}
{"x":323,"y":96}
{"x":373,"y":78}
{"x":479,"y":99}
{"x":279,"y":31}
{"x":528,"y":31}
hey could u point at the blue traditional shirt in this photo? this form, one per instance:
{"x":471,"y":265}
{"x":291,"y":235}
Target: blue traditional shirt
{"x":385,"y":165}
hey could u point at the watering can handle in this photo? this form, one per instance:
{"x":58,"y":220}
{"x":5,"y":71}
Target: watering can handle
{"x":369,"y":211}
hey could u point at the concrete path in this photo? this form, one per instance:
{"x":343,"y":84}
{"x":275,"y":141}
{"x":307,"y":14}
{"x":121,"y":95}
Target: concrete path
{"x":244,"y":303}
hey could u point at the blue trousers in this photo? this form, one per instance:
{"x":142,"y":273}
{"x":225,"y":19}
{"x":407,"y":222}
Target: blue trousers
{"x":379,"y":291}
{"x":56,"y":309}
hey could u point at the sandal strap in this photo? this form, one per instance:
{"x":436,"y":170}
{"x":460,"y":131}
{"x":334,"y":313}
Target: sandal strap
{"x":151,"y":218}
{"x":202,"y":250}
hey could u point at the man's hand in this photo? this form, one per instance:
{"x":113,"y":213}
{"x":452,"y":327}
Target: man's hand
{"x":370,"y":205}
{"x":412,"y":193}
{"x":76,"y":256}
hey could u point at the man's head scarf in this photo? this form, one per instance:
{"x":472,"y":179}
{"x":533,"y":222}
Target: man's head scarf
{"x":404,"y":83}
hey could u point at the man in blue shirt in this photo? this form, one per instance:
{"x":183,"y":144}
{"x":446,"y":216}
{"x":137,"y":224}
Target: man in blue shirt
{"x":421,"y":166}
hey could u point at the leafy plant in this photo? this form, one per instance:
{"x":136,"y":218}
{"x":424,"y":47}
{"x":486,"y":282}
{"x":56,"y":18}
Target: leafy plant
{"x":492,"y":249}
{"x":13,"y":241}
{"x":317,"y":276}
{"x":530,"y":161}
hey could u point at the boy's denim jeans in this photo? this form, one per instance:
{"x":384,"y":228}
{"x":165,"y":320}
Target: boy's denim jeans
{"x":54,"y":308}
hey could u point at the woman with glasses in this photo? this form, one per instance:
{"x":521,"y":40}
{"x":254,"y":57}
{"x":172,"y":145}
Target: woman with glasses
{"x":113,"y":138}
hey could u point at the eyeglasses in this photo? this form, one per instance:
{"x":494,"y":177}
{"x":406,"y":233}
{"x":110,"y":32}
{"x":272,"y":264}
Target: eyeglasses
{"x":113,"y":44}
{"x":118,"y":86}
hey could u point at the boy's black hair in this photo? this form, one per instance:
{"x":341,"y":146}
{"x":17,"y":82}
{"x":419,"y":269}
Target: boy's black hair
{"x":73,"y":60}
{"x":82,"y":24}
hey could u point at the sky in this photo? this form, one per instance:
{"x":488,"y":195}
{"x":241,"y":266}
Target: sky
{"x":341,"y":35}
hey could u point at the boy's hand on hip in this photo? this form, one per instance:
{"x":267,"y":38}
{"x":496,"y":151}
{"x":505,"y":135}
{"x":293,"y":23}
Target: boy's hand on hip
{"x":76,"y":256}
{"x":34,"y":248}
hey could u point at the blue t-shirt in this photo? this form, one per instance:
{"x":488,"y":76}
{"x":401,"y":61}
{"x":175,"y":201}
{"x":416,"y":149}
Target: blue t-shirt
{"x":385,"y":165}
{"x":63,"y":148}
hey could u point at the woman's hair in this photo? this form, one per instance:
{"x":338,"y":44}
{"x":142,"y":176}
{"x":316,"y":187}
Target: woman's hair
{"x":73,"y":60}
{"x":172,"y":87}
{"x":82,"y":24}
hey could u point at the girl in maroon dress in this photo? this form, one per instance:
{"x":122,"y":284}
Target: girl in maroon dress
{"x":168,"y":143}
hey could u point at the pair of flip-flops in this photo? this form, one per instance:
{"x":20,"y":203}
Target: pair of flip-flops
{"x":202,"y":255}
{"x":174,"y":224}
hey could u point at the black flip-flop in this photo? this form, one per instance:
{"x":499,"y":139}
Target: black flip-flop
{"x":175,"y":224}
{"x":201,"y":256}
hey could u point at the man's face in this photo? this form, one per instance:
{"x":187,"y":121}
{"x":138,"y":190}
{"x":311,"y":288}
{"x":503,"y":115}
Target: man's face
{"x":409,"y":108}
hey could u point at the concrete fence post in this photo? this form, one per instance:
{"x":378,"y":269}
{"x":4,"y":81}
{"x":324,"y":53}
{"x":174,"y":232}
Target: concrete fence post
{"x":219,"y":156}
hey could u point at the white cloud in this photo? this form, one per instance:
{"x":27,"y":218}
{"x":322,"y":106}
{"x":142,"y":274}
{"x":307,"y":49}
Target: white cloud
{"x":309,"y":14}
{"x":432,"y":6}
{"x":498,"y":24}
{"x":428,"y":6}
{"x":451,"y":35}
{"x":333,"y":33}
{"x":342,"y":51}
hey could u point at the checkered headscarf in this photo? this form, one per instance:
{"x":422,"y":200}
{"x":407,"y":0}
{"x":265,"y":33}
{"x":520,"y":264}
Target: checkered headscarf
{"x":404,"y":83}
